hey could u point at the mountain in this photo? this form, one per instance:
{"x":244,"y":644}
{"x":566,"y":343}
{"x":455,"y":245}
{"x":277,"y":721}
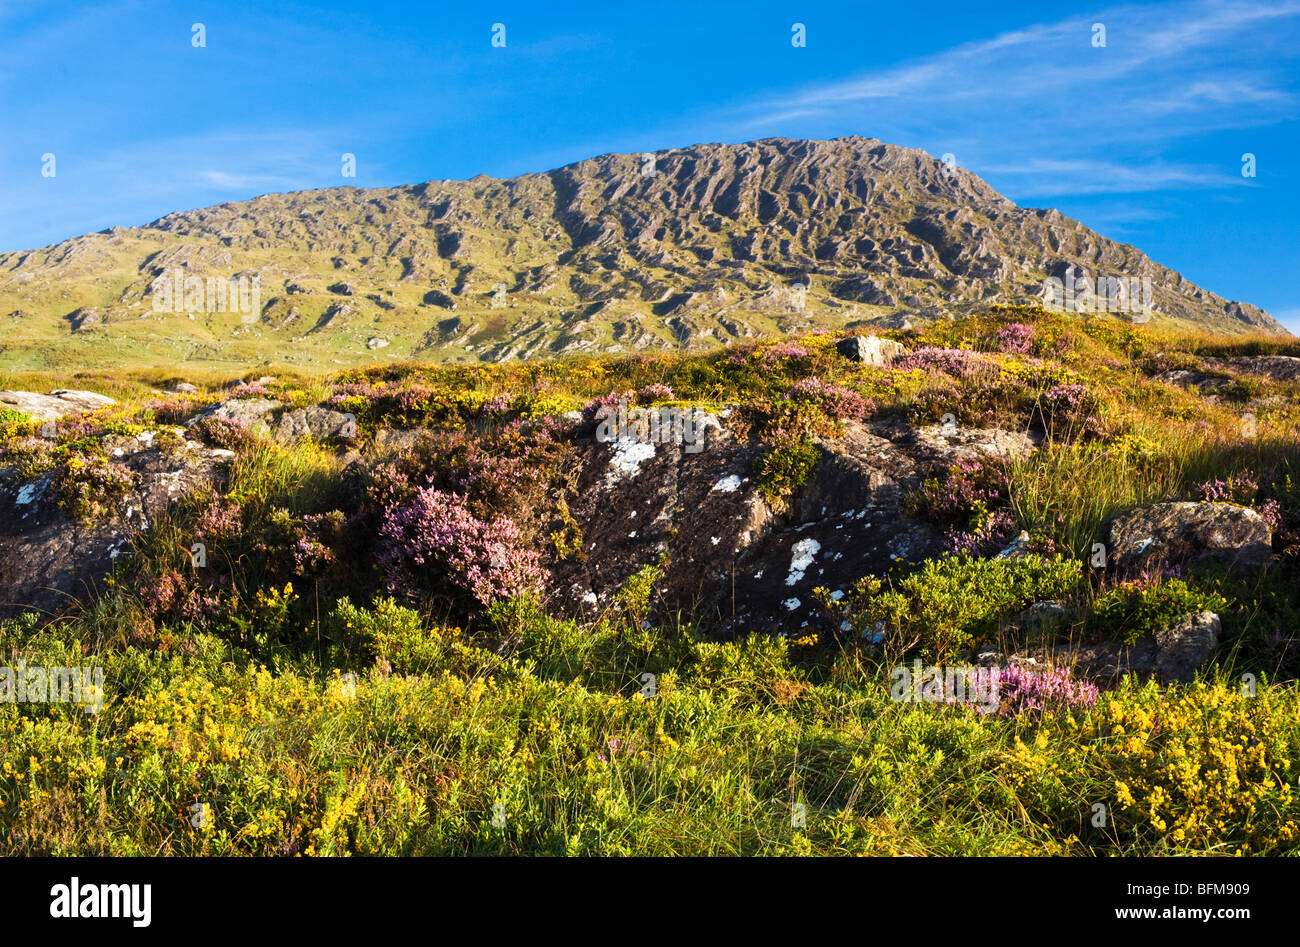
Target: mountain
{"x":687,"y":247}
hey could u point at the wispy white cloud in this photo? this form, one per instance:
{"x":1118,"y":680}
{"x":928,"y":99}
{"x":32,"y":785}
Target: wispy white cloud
{"x":1044,"y":107}
{"x":1088,"y":176}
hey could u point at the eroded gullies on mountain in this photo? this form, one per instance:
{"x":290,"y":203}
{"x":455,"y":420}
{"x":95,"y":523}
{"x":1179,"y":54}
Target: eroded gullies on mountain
{"x":720,"y":244}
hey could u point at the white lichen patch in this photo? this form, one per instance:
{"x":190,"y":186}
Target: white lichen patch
{"x":728,"y":484}
{"x":801,"y":558}
{"x":629,"y":455}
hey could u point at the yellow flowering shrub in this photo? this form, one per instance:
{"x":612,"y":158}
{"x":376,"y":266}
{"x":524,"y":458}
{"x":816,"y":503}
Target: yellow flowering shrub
{"x":1209,"y":767}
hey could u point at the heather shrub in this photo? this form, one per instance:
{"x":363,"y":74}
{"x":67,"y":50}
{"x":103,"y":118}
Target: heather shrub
{"x":305,"y":545}
{"x":222,"y":519}
{"x":515,"y":472}
{"x":1068,"y":409}
{"x":89,"y":487}
{"x":782,"y":352}
{"x":959,"y":363}
{"x":947,"y":501}
{"x":172,"y":411}
{"x":605,"y":404}
{"x":1016,"y":337}
{"x":249,"y":390}
{"x":1239,"y":488}
{"x":1032,"y":692}
{"x":434,"y":539}
{"x":27,"y":457}
{"x":223,"y":433}
{"x":969,"y":504}
{"x":654,"y":392}
{"x":932,"y":402}
{"x":840,"y":404}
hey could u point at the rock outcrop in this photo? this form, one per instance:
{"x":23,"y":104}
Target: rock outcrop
{"x":55,"y":405}
{"x":870,"y":350}
{"x":732,"y":558}
{"x":48,"y":560}
{"x":1171,"y":655}
{"x":1188,"y":534}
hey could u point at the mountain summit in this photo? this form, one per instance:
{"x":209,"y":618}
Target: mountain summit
{"x":680,"y":248}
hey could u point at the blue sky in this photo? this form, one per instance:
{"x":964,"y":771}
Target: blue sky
{"x":1141,"y":139}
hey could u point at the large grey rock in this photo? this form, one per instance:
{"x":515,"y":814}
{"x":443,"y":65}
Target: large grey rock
{"x":1189,"y":534}
{"x":315,"y":422}
{"x":1104,"y":661}
{"x":1272,"y":367}
{"x":735,"y":560}
{"x":85,"y":319}
{"x":248,"y":412}
{"x":870,"y":349}
{"x":1171,"y":655}
{"x":56,"y":404}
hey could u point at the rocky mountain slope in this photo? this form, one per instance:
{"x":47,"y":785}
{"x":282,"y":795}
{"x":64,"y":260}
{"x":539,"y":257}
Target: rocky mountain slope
{"x":689,"y":247}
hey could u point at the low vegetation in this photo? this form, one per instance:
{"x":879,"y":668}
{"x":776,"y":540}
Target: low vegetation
{"x":370,"y":662}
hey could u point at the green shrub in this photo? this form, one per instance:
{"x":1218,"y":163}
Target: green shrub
{"x":1133,"y":609}
{"x":952,"y":603}
{"x":398,"y":638}
{"x":784,"y":468}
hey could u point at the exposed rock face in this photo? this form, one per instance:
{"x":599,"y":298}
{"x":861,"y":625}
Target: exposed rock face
{"x":85,"y":319}
{"x":731,"y":557}
{"x":870,"y":350}
{"x":1188,"y":534}
{"x":1272,"y":367}
{"x":47,"y":560}
{"x":55,"y":405}
{"x":247,"y":412}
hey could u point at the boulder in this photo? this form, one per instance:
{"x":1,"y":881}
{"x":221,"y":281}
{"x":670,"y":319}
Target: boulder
{"x":85,"y":319}
{"x":316,"y":422}
{"x":733,"y":559}
{"x":1188,"y":534}
{"x":247,"y":412}
{"x":1172,"y":655}
{"x":1272,"y":367}
{"x":1103,"y":661}
{"x":870,"y":349}
{"x":55,"y":405}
